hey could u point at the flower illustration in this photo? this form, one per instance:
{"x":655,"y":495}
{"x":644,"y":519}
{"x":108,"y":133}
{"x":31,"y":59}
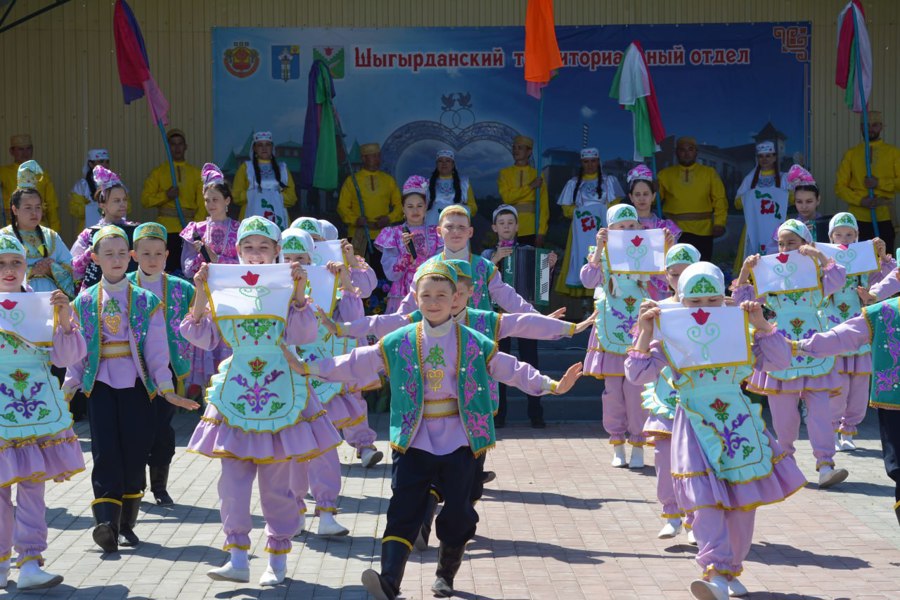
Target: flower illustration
{"x":721,"y":409}
{"x":256,"y":366}
{"x":8,"y":304}
{"x":700,"y":316}
{"x":637,"y":241}
{"x":251,"y":278}
{"x":782,"y":257}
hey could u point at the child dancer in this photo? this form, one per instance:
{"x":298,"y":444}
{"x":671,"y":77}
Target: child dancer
{"x":441,"y":421}
{"x":176,"y":295}
{"x":405,"y":247}
{"x":213,"y":240}
{"x":322,"y":475}
{"x":37,"y":445}
{"x":799,"y":316}
{"x":721,"y":489}
{"x":806,"y":201}
{"x":848,"y":408}
{"x":127,"y":365}
{"x":265,"y":452}
{"x":618,"y":299}
{"x":660,"y":401}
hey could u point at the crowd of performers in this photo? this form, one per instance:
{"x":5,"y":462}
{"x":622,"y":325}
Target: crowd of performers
{"x":134,"y":340}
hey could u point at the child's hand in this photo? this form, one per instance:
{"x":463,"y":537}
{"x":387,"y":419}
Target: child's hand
{"x":349,"y":254}
{"x":298,"y":274}
{"x":670,"y":239}
{"x":559,"y":313}
{"x":335,"y":268}
{"x":568,"y":380}
{"x":552,"y":257}
{"x":601,"y":238}
{"x":201,"y":276}
{"x":502,"y":252}
{"x":61,"y":302}
{"x":812,"y":252}
{"x":751,"y":261}
{"x":181,"y":401}
{"x":865,"y":296}
{"x":749,"y":264}
{"x":754,"y":310}
{"x":586,"y":323}
{"x":294,"y":362}
{"x":880,"y":248}
{"x":326,"y":321}
{"x":646,"y":316}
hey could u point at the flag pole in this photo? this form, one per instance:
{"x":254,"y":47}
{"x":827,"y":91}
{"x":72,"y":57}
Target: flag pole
{"x":659,"y":212}
{"x":865,"y":115}
{"x":162,"y":132}
{"x":539,"y":165}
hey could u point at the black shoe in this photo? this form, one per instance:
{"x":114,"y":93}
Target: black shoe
{"x":488,"y":476}
{"x":130,"y":509}
{"x":106,"y":530}
{"x":538,"y":423}
{"x":449,"y":561}
{"x":159,"y":480}
{"x":377,"y":587}
{"x":386,"y":585}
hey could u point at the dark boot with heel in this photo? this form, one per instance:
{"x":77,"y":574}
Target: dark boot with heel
{"x":106,"y":531}
{"x":159,"y":483}
{"x":449,"y":561}
{"x":130,"y":509}
{"x":386,"y":585}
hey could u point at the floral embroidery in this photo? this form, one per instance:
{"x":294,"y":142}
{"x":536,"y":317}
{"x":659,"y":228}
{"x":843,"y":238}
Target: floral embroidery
{"x":256,"y":329}
{"x":797,"y":326}
{"x":888,"y":379}
{"x":25,"y":406}
{"x":258,"y":395}
{"x":721,"y":409}
{"x":406,"y":351}
{"x":630,"y":303}
{"x":480,"y":283}
{"x":471,"y":386}
{"x":478,"y":425}
{"x":732,"y":440}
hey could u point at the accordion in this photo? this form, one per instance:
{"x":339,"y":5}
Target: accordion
{"x":527,"y":270}
{"x":92,"y":272}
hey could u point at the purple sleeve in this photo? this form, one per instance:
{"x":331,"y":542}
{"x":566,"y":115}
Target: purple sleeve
{"x":408,"y":304}
{"x":507,"y":369}
{"x":349,"y":307}
{"x":888,"y":265}
{"x":641,"y":368}
{"x":203,"y":334}
{"x":833,"y":278}
{"x":887,"y":287}
{"x":377,"y":325}
{"x":156,"y":351}
{"x":302,"y":327}
{"x":68,"y":348}
{"x":534,"y":326}
{"x":772,"y":351}
{"x":846,"y":337}
{"x":674,"y":229}
{"x":364,"y":280}
{"x":81,"y":257}
{"x":190,"y":258}
{"x":390,"y":262}
{"x":744,"y":293}
{"x":362,"y":364}
{"x":505,"y":296}
{"x":591,"y":275}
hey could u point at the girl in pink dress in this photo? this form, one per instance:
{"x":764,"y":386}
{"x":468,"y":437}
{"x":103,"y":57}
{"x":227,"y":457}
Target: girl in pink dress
{"x":405,"y":247}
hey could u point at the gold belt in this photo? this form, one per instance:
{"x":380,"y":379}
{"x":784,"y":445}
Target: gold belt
{"x":171,"y":211}
{"x":692,"y":216}
{"x":440,"y":408}
{"x":115,"y":350}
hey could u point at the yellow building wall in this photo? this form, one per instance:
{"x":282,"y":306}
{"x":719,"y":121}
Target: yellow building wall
{"x":59,"y":79}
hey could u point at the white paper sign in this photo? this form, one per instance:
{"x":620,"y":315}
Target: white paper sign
{"x":707,"y":337}
{"x":785,"y":272}
{"x":322,"y":287}
{"x":327,"y":251}
{"x":27,"y":315}
{"x":858,"y":258}
{"x":636,"y":251}
{"x":244,"y":290}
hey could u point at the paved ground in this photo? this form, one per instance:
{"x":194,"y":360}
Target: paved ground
{"x":558,"y":522}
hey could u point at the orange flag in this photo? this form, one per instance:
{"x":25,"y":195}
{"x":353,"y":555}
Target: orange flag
{"x":542,"y":57}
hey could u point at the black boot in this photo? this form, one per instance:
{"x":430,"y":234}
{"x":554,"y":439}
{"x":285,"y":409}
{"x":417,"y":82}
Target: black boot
{"x":159,"y":479}
{"x":386,"y":585}
{"x":449,"y":560}
{"x":430,"y":508}
{"x":130,"y":509}
{"x":106,"y":530}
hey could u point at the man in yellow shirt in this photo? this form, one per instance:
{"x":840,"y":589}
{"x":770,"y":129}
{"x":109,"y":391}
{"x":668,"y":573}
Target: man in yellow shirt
{"x":21,"y":149}
{"x":380,"y":195}
{"x":159,"y":192}
{"x":693,"y":196}
{"x":517,"y":185}
{"x":852,"y":186}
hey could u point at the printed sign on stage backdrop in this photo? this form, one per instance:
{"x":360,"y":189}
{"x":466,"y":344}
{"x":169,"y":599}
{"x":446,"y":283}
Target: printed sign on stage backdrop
{"x":419,"y":89}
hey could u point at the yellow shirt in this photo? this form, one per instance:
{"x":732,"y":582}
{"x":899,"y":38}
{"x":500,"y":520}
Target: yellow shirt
{"x":514,"y":184}
{"x":44,"y":187}
{"x":849,"y":186}
{"x":242,"y":184}
{"x":693,"y":197}
{"x":380,"y":195}
{"x":190,"y":194}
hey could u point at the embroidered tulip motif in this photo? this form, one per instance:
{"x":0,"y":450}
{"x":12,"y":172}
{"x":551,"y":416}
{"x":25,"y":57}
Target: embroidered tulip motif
{"x":700,"y":316}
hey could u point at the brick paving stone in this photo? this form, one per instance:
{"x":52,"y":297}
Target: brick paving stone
{"x":558,"y":523}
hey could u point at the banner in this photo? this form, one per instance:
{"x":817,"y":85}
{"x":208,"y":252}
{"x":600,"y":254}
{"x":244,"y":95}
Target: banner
{"x":785,"y":272}
{"x":28,"y":315}
{"x":859,"y":258}
{"x":250,"y":290}
{"x":636,"y":252}
{"x":764,"y":212}
{"x":704,"y":338}
{"x":415,"y":90}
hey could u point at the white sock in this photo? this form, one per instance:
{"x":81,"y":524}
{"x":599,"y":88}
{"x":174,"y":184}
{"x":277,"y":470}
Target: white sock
{"x":239,"y":559}
{"x":278,"y":562}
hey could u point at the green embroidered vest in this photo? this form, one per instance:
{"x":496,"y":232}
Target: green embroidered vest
{"x":402,"y":352}
{"x":141,"y":305}
{"x":884,"y":323}
{"x":178,"y":297}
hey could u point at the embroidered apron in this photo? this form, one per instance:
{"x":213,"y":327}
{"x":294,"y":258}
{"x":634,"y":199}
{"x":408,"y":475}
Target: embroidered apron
{"x":268,"y":202}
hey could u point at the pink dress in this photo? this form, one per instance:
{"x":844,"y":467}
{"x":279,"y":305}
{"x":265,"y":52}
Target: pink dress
{"x":399,"y":265}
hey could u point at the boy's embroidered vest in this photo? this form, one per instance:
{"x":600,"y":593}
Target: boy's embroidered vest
{"x":178,"y":297}
{"x":141,"y":305}
{"x":884,"y":322}
{"x":402,"y":351}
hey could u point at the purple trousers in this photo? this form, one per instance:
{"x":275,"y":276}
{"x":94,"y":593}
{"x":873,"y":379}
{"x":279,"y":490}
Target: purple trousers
{"x":359,"y":435}
{"x":622,"y":411}
{"x":322,"y":477}
{"x":275,"y":498}
{"x":785,"y":410}
{"x":665,"y":491}
{"x":848,"y":409}
{"x":723,"y":540}
{"x":23,"y":527}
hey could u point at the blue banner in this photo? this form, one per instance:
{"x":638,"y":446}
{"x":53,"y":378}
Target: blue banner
{"x":417,"y":90}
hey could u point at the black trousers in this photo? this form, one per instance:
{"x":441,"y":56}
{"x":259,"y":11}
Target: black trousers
{"x":173,"y":262}
{"x":885,"y":232}
{"x":703,"y":243}
{"x":528,"y":353}
{"x":889,"y":426}
{"x":121,"y":435}
{"x":163,"y":448}
{"x":412,"y":476}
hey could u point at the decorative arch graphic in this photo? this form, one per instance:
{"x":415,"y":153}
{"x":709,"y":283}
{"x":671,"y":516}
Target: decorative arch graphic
{"x":416,"y":131}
